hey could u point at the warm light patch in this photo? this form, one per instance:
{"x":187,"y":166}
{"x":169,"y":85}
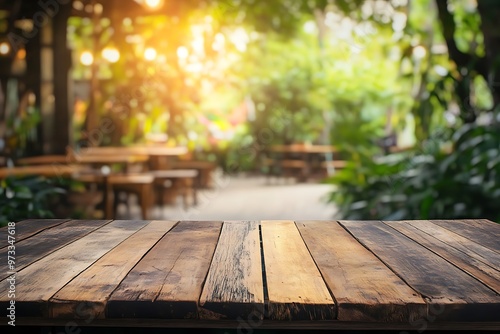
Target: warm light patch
{"x":153,"y":4}
{"x":86,"y":58}
{"x":182,"y":52}
{"x":4,"y":48}
{"x":21,"y":54}
{"x":150,"y":54}
{"x":98,"y":9}
{"x":419,"y":52}
{"x":111,"y":54}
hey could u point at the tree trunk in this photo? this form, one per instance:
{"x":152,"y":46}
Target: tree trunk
{"x":468,"y":65}
{"x":489,"y":10}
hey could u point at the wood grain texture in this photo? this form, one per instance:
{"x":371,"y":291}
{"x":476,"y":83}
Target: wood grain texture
{"x":469,"y":256}
{"x":38,"y":282}
{"x":482,"y":231}
{"x":234,"y":285}
{"x":168,"y":278}
{"x":47,"y":241}
{"x":92,"y":288}
{"x":452,"y":294}
{"x":168,"y":281}
{"x":363,"y":287}
{"x":295,"y":287}
{"x":26,"y":228}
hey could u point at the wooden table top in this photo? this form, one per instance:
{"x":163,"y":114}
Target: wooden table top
{"x":110,"y":158}
{"x":412,"y":275}
{"x":44,"y":160}
{"x":303,"y":148}
{"x":145,"y":150}
{"x":50,"y":170}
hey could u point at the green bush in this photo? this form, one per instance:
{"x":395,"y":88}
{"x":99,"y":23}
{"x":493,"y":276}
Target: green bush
{"x":28,"y":197}
{"x":429,"y":183}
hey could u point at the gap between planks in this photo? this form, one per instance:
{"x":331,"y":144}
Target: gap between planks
{"x":364,"y":288}
{"x":471,"y":263}
{"x":296,"y":288}
{"x":82,"y":295}
{"x":457,"y":295}
{"x":30,"y":230}
{"x":233,"y":286}
{"x":378,"y":257}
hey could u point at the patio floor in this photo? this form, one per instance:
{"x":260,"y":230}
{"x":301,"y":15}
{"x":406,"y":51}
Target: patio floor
{"x":249,"y":198}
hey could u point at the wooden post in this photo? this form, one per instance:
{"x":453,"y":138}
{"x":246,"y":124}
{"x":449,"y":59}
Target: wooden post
{"x":34,"y":84}
{"x":62,"y":65}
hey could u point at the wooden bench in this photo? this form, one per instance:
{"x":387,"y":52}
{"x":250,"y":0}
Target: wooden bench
{"x":205,"y":170}
{"x":140,"y":184}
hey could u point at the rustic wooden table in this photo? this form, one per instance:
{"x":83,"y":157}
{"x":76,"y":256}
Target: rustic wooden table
{"x":405,"y":275}
{"x":281,"y":157}
{"x":50,"y":170}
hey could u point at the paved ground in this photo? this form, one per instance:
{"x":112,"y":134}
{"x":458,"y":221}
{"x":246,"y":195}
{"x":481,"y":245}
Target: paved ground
{"x":252,"y":198}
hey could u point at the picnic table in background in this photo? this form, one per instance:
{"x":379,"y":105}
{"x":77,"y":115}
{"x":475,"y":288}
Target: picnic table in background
{"x":399,"y":275}
{"x":112,"y":169}
{"x":49,"y":170}
{"x":303,"y":159}
{"x":159,"y":155}
{"x":43,"y":160}
{"x":109,"y":170}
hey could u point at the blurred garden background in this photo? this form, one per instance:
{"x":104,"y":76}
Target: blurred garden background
{"x":405,"y":93}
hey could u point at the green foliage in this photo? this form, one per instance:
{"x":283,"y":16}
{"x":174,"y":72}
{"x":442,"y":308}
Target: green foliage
{"x":21,"y":130}
{"x":28,"y":197}
{"x":426,"y":184}
{"x":336,"y":92}
{"x":343,"y":72}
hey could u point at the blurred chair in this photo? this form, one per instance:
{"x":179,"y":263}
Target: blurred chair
{"x":139,"y":184}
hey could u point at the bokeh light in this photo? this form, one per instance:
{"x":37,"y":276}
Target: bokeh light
{"x":419,"y":52}
{"x":150,"y":54}
{"x":182,"y":52}
{"x":4,"y":48}
{"x":153,"y":4}
{"x":21,"y":54}
{"x":111,"y":54}
{"x":86,"y":58}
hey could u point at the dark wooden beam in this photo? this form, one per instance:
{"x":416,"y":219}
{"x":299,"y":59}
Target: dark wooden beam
{"x":62,"y":65}
{"x":34,"y":84}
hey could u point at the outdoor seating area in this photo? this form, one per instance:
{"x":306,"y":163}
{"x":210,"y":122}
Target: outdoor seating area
{"x":302,"y":161}
{"x":149,"y":172}
{"x":157,"y":175}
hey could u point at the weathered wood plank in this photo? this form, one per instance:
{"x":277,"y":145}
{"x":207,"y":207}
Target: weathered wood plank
{"x":234,"y":285}
{"x":38,"y":282}
{"x":168,"y":281}
{"x":482,"y":231}
{"x":463,"y":244}
{"x":26,"y":228}
{"x":452,"y":294}
{"x":363,"y":287}
{"x":479,"y":261}
{"x":295,"y":287}
{"x":92,"y":288}
{"x":47,"y":241}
